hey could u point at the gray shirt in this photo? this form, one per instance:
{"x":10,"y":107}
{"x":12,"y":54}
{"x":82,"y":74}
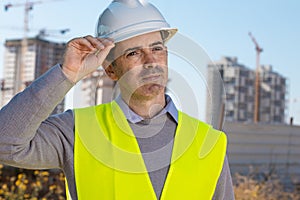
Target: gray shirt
{"x":30,"y":138}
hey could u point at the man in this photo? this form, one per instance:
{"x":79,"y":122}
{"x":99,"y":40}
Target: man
{"x":139,"y":146}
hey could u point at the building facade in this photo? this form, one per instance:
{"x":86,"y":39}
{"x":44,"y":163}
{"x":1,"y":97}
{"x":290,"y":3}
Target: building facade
{"x":273,"y":95}
{"x":239,"y":84}
{"x":19,"y":71}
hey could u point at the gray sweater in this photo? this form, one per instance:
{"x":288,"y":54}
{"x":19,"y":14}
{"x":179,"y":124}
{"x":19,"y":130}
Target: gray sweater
{"x":30,"y":138}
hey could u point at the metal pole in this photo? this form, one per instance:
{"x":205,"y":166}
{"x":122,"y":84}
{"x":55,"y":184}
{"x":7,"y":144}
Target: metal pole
{"x":257,"y":88}
{"x":20,"y":67}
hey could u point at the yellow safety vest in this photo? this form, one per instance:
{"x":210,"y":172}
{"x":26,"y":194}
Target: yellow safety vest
{"x":108,"y":163}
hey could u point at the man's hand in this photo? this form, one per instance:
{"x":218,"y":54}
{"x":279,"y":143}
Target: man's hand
{"x":84,"y":55}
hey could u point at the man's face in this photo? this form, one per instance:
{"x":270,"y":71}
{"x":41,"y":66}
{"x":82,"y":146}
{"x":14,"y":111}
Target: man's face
{"x":141,"y":66}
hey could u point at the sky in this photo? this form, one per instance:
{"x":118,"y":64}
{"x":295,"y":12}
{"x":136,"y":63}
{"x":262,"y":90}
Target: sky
{"x":219,"y":27}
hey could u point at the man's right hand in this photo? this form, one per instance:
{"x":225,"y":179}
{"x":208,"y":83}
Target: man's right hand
{"x":84,"y":55}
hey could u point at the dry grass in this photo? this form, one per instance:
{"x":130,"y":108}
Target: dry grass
{"x":18,"y":184}
{"x":263,"y":187}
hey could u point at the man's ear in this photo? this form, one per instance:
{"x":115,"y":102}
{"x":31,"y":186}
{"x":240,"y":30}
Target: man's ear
{"x":110,"y":71}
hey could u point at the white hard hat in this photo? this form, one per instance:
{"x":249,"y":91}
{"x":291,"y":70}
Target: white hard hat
{"x":124,"y":19}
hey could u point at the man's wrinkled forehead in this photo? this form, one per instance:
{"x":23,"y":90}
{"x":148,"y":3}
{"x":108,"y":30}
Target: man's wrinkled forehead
{"x":141,"y":41}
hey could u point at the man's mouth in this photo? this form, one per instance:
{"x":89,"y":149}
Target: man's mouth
{"x":151,"y":78}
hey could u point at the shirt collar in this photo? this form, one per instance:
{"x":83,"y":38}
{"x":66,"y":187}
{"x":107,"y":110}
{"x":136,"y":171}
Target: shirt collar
{"x":132,"y":117}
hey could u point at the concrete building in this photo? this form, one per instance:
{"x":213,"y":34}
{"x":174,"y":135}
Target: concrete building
{"x":264,"y":148}
{"x":215,"y":97}
{"x":40,"y":55}
{"x":96,"y":88}
{"x":238,"y":81}
{"x":273,"y":96}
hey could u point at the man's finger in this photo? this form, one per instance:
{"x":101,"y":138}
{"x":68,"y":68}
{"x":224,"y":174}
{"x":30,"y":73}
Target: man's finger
{"x":81,"y":44}
{"x":108,"y":44}
{"x":95,"y":42}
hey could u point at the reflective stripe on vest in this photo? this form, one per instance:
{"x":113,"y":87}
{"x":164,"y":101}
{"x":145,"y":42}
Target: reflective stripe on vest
{"x":108,"y":163}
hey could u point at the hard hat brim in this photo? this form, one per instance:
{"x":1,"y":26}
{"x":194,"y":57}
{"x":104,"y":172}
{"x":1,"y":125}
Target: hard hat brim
{"x":133,"y":33}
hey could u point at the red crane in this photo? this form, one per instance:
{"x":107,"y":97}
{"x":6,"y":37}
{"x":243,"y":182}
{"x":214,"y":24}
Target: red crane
{"x":258,"y":50}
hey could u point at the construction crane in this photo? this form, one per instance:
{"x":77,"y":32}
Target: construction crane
{"x":39,"y":33}
{"x":258,"y":50}
{"x":46,"y":32}
{"x":28,"y":5}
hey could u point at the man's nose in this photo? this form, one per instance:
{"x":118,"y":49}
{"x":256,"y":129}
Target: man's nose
{"x":149,"y":59}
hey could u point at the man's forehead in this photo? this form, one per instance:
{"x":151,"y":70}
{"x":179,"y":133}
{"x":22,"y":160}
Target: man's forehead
{"x":144,"y":40}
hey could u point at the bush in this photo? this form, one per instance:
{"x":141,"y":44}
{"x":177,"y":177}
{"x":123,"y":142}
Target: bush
{"x":20,"y":184}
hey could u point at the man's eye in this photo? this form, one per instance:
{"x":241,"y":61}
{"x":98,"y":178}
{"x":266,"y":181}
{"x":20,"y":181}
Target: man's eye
{"x":158,"y":48}
{"x":133,"y":53}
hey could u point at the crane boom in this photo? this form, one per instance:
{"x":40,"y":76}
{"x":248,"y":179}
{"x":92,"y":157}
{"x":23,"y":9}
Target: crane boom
{"x":31,"y":3}
{"x":258,"y":50}
{"x":257,"y":47}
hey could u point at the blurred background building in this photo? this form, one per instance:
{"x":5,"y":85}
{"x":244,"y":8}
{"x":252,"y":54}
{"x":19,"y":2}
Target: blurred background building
{"x":96,"y":88}
{"x":40,"y":55}
{"x":266,"y":147}
{"x":19,"y":71}
{"x":273,"y":95}
{"x":238,"y":81}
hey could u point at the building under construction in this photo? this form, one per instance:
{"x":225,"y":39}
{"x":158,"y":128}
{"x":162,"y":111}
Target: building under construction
{"x":40,"y":55}
{"x":239,"y":84}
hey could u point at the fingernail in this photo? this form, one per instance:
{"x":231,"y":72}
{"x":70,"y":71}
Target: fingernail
{"x":101,"y":46}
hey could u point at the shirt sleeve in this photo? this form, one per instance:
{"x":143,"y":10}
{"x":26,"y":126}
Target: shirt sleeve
{"x":224,"y":189}
{"x":29,"y":138}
